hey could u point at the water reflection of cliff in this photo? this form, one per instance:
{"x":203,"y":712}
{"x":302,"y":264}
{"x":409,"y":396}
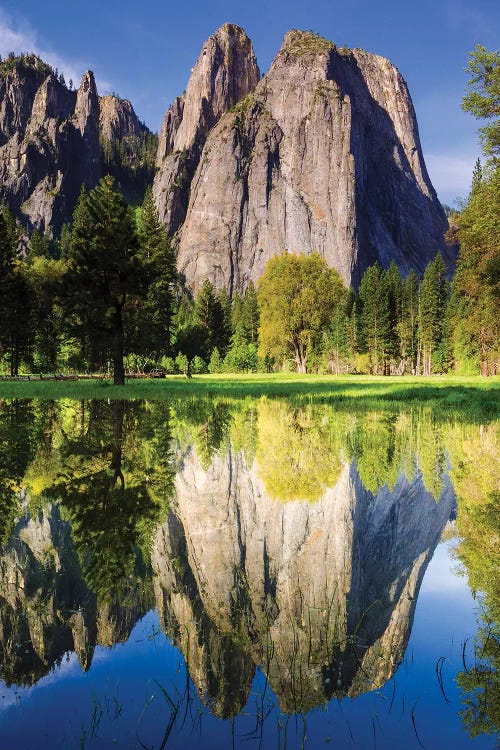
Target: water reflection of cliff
{"x":295,"y":539}
{"x":47,"y":608}
{"x":322,"y":595}
{"x":75,"y":571}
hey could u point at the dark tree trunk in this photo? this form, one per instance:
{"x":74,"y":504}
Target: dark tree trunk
{"x":118,"y":346}
{"x":116,"y":456}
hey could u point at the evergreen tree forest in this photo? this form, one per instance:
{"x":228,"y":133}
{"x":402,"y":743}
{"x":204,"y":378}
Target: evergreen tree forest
{"x":106,"y":296}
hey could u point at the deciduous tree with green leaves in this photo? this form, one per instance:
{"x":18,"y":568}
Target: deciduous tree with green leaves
{"x":297,"y":295}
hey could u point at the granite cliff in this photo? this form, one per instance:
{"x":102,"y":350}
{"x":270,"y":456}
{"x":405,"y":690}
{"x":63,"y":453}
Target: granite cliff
{"x":53,"y":139}
{"x":225,"y":72}
{"x":320,"y":595}
{"x":322,"y":155}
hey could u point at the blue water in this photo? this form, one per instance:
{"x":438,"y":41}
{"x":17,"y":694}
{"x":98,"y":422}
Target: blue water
{"x":119,"y":701}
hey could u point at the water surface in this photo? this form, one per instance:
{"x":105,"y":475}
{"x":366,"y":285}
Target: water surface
{"x":261,"y":574}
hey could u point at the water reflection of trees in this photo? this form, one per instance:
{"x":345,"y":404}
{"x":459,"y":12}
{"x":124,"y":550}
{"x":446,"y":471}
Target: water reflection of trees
{"x":98,"y":481}
{"x":102,"y":474}
{"x":300,"y":449}
{"x":20,"y":433}
{"x":475,"y":460}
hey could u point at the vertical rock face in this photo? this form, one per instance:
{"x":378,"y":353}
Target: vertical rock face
{"x":51,"y":151}
{"x":224,"y":73}
{"x":324,"y":156}
{"x":46,"y":608}
{"x":50,"y":142}
{"x":305,"y":578}
{"x":18,"y":87}
{"x":86,"y":118}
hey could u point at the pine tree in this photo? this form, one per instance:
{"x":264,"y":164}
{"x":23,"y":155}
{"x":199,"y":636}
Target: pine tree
{"x":394,"y":288}
{"x":375,"y":319}
{"x":432,"y":301}
{"x":476,"y":284}
{"x":227,"y":329}
{"x":15,"y":301}
{"x":477,"y":175}
{"x":408,"y":323}
{"x":103,"y":267}
{"x":250,"y":314}
{"x":39,"y":245}
{"x":151,"y":320}
{"x":209,"y":315}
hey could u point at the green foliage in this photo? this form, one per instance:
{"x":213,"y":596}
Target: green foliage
{"x":211,"y":315}
{"x":432,"y":305}
{"x":212,"y":435}
{"x":216,"y":362}
{"x":168,"y":365}
{"x":483,"y":97}
{"x":131,"y":161}
{"x":407,"y":324}
{"x":182,"y":364}
{"x":109,"y":467}
{"x":298,"y":452}
{"x":149,"y":319}
{"x":475,"y":473}
{"x":104,"y":269}
{"x":26,"y":64}
{"x":306,"y":42}
{"x":475,"y":298}
{"x":375,"y":317}
{"x":39,"y":246}
{"x":297,"y":295}
{"x":20,"y":434}
{"x":44,"y":279}
{"x":198,"y":366}
{"x":15,"y":302}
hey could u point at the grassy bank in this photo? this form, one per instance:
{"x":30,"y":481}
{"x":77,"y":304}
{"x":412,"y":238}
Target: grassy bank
{"x":477,"y":393}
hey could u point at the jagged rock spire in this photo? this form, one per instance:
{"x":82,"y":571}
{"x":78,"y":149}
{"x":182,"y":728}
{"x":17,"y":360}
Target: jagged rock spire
{"x":225,"y":72}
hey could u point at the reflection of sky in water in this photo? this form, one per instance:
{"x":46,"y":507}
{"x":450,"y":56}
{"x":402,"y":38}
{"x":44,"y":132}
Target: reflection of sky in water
{"x":120,"y":699}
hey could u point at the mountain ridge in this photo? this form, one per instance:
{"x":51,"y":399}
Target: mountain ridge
{"x":321,"y":154}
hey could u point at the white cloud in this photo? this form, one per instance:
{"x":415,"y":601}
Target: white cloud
{"x":16,"y":35}
{"x":450,"y":174}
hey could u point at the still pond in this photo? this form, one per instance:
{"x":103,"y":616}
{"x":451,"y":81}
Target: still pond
{"x":256,"y":574}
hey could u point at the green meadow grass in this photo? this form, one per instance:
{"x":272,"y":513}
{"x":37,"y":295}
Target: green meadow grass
{"x":448,"y":392}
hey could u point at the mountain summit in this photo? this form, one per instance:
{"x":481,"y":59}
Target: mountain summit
{"x":322,"y":155}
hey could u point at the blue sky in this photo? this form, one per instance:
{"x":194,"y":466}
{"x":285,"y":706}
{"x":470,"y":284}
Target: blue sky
{"x":145,"y":52}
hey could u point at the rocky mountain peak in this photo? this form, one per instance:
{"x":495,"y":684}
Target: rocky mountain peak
{"x":52,"y":101}
{"x":87,"y":103}
{"x":225,"y":71}
{"x":297,"y":43}
{"x":323,"y":156}
{"x":117,"y":118}
{"x":20,"y":78}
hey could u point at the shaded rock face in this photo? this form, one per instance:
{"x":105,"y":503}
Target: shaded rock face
{"x":51,"y":151}
{"x":50,"y":143}
{"x":321,"y":595}
{"x":224,"y":73}
{"x":46,"y":608}
{"x":324,"y":155}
